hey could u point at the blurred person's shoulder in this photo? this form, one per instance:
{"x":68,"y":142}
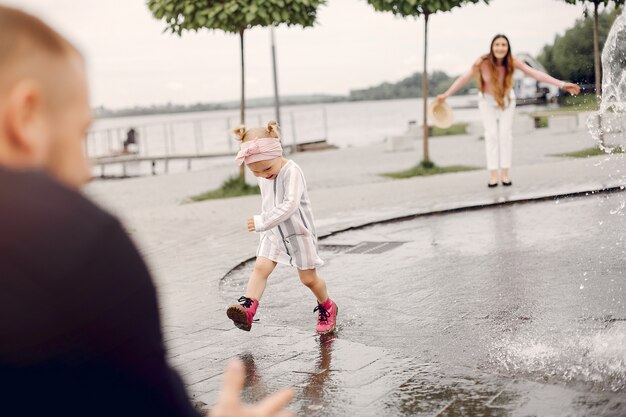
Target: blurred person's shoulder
{"x":40,"y":217}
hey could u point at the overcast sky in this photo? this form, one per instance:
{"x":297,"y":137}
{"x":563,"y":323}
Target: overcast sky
{"x":132,"y":62}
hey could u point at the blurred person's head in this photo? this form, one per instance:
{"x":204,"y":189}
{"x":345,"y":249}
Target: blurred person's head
{"x":261,"y":150}
{"x":44,"y":103}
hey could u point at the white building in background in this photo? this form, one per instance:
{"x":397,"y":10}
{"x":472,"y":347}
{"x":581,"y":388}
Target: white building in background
{"x":527,"y":88}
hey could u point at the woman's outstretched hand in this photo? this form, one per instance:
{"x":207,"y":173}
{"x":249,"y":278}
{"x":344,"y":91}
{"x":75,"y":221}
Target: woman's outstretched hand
{"x":229,"y":402}
{"x":441,"y":98}
{"x":572,"y":88}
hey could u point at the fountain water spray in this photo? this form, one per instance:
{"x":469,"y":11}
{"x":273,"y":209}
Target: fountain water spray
{"x":608,"y":125}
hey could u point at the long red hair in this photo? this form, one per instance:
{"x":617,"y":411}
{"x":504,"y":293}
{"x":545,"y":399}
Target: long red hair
{"x":500,"y":89}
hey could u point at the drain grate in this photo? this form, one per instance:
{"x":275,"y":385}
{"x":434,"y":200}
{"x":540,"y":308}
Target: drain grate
{"x":365,"y":248}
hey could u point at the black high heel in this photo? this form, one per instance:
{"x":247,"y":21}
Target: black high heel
{"x":492,"y":185}
{"x":507,"y":183}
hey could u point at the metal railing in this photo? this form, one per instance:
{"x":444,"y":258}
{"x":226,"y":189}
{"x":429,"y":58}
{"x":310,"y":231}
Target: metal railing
{"x":191,"y":138}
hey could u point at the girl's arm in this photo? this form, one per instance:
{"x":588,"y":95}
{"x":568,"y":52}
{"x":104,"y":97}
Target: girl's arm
{"x":542,"y":76}
{"x":294,"y":188}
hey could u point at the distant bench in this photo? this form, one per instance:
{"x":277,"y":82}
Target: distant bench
{"x":559,"y":122}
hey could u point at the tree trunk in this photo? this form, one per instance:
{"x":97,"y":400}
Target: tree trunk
{"x":425,"y":88}
{"x":242,"y":104}
{"x":275,"y":71}
{"x":598,"y":73}
{"x":596,"y":55}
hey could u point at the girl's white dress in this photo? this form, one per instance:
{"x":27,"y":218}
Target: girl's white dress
{"x":286,"y":223}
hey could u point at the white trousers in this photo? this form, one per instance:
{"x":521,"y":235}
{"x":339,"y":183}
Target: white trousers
{"x":498,"y":124}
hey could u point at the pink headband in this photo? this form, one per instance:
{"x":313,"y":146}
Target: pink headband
{"x":260,"y":149}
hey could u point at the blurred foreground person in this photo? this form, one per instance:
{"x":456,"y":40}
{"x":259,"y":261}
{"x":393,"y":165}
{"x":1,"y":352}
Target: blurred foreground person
{"x":80,"y":333}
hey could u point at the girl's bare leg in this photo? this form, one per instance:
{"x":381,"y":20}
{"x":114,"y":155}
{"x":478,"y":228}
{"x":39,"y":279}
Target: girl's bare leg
{"x":315,"y":283}
{"x":263,"y":267}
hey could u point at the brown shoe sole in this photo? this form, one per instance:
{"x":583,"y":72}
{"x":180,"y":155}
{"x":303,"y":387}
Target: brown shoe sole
{"x":238,"y":315}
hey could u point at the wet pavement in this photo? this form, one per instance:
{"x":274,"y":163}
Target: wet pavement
{"x":438,"y":356}
{"x":507,"y":311}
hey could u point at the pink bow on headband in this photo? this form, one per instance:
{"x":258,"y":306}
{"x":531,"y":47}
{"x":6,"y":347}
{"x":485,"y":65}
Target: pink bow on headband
{"x":260,"y":149}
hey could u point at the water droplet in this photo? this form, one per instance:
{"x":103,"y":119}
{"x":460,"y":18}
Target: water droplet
{"x":582,"y":286}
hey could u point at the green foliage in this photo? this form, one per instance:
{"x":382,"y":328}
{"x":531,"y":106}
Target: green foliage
{"x":233,"y":187}
{"x":605,"y":3}
{"x":570,"y":57}
{"x":438,"y":82}
{"x":426,"y":168}
{"x":407,"y":8}
{"x":233,"y":16}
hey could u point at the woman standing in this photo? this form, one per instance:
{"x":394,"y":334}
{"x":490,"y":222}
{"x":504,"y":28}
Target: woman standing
{"x":497,"y":102}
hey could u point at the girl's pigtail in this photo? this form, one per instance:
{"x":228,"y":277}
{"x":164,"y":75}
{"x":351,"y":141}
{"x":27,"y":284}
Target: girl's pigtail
{"x":240,"y":132}
{"x":272,"y":128}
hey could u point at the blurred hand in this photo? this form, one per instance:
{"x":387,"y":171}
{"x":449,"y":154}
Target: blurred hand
{"x":441,"y":98}
{"x":572,"y":88}
{"x":251,"y":227}
{"x":229,"y":402}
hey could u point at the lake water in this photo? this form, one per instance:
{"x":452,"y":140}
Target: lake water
{"x":344,"y":124}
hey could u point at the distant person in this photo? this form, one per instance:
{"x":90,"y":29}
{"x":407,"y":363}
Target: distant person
{"x":497,"y":102}
{"x":286,"y":227}
{"x":80,"y":333}
{"x":130,"y":143}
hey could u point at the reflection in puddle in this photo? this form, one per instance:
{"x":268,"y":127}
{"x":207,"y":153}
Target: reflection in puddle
{"x":315,"y":387}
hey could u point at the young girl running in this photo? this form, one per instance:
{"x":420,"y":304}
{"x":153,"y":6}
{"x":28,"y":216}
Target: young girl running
{"x":287,"y":233}
{"x":497,"y":102}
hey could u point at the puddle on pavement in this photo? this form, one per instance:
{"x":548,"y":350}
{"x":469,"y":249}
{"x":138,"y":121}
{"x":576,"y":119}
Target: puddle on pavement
{"x":517,"y":310}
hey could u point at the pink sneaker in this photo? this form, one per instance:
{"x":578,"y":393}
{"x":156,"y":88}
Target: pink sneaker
{"x":327,"y":316}
{"x":243,"y":314}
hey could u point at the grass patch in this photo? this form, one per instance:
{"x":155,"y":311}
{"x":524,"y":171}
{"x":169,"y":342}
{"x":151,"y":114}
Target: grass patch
{"x":589,"y":152}
{"x":569,"y":104}
{"x":426,"y":168}
{"x":455,"y":129}
{"x":581,"y":102}
{"x":232,"y":187}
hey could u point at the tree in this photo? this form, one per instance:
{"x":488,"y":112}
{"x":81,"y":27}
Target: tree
{"x":411,"y":86}
{"x":234,"y":16}
{"x":596,"y":41}
{"x":570,"y":56}
{"x":417,"y":8}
